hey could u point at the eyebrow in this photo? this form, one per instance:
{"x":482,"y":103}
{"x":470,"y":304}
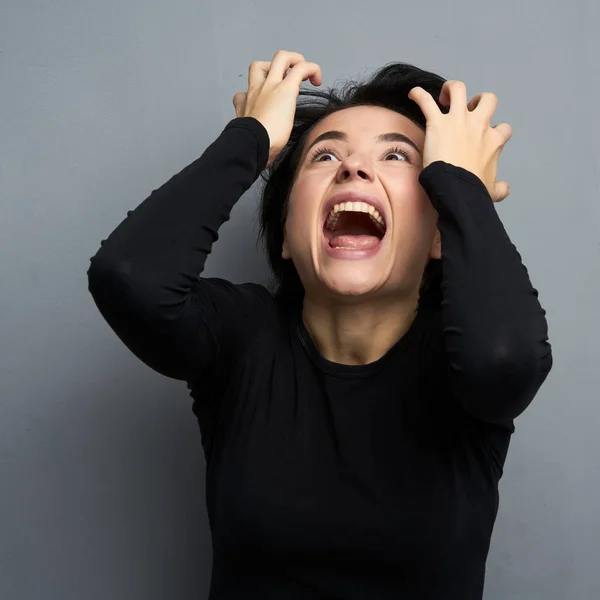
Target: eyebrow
{"x":384,"y":137}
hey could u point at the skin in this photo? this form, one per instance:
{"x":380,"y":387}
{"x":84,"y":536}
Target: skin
{"x":356,"y":310}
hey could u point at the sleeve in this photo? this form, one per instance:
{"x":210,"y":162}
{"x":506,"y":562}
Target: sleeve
{"x":494,"y":330}
{"x":145,"y":278}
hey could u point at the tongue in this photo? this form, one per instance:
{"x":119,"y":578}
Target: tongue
{"x":355,"y":242}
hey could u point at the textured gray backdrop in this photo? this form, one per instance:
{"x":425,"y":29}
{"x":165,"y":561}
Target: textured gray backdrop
{"x":101,"y":467}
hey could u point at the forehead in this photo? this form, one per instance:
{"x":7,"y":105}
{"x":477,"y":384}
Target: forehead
{"x":368,"y":121}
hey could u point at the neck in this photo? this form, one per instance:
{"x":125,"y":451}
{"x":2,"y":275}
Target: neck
{"x":357,"y":333}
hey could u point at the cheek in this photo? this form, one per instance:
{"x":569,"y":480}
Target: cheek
{"x":297,"y":221}
{"x":302,"y":213}
{"x":416,"y":221}
{"x":298,"y":228}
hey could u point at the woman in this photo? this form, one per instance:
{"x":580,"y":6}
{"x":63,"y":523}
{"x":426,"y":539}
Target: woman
{"x":356,"y":421}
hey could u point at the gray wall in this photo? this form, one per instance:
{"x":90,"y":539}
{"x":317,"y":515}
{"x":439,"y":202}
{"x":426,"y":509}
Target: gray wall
{"x":101,"y":467}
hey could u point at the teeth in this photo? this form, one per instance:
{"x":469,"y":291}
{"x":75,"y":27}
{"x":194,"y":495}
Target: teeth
{"x":354,"y":207}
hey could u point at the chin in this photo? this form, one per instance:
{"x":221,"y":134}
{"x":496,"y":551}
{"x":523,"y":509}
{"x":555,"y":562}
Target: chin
{"x":352,"y":286}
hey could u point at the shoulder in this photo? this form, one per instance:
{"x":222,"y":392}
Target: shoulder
{"x":224,"y":295}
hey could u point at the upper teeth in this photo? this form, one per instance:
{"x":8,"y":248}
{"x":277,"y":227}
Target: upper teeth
{"x":354,"y":207}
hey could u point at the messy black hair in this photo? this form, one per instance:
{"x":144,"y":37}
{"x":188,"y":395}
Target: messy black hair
{"x":388,"y":88}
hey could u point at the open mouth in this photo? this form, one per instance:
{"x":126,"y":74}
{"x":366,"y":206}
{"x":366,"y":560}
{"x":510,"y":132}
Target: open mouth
{"x":354,"y":226}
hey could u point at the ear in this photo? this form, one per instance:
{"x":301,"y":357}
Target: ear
{"x":285,"y":253}
{"x":436,"y":245}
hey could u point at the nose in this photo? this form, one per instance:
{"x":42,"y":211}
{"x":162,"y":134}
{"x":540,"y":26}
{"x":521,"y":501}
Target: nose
{"x":355,"y":167}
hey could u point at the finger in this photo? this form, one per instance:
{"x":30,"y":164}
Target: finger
{"x":505,"y":131}
{"x":239,"y":100}
{"x":500,"y":191}
{"x":454,"y":95}
{"x":487,"y":102}
{"x":483,"y":107}
{"x":257,"y":72}
{"x":317,"y":78}
{"x":282,"y":61}
{"x":444,"y":97}
{"x":305,"y":70}
{"x":425,"y":101}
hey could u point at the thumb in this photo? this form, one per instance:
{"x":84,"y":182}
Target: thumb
{"x":239,"y":102}
{"x":500,"y":191}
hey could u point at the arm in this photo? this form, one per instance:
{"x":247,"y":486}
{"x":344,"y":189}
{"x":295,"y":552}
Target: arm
{"x":494,"y":329}
{"x":145,"y":278}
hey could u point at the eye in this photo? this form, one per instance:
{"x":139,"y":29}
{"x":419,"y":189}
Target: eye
{"x":316,"y":153}
{"x":400,"y":151}
{"x":324,"y":150}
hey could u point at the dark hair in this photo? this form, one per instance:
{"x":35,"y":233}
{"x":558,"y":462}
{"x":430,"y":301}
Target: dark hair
{"x":388,"y":87}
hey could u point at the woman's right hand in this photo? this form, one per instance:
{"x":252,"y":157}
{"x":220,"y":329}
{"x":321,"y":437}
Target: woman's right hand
{"x":272,"y":94}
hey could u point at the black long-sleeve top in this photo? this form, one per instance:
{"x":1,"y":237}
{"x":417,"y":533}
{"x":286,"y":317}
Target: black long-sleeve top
{"x":324,"y":480}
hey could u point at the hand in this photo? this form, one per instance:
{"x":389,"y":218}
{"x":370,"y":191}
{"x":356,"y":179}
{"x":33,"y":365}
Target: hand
{"x":464,"y":137}
{"x":272,"y":94}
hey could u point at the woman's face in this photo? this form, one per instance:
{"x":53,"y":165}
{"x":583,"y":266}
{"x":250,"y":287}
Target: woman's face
{"x":349,"y":254}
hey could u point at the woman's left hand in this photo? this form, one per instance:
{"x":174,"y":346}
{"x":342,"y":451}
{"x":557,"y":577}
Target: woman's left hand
{"x":464,"y":137}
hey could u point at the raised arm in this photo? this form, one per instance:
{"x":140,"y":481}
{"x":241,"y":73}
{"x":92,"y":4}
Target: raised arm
{"x":494,"y":329}
{"x":145,"y":279}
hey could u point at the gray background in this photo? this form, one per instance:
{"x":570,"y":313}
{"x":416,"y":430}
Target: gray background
{"x":101,"y":467}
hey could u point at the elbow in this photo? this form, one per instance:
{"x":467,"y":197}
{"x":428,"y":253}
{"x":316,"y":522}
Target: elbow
{"x":98,"y":275}
{"x":497,"y":388}
{"x":107,"y":280}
